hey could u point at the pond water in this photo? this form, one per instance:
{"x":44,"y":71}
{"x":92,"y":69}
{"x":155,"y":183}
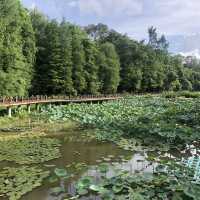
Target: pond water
{"x":75,"y":150}
{"x":78,"y":150}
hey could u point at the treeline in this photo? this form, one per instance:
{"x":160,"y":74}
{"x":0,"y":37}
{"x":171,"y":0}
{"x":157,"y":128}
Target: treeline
{"x":43,"y":56}
{"x":69,"y":62}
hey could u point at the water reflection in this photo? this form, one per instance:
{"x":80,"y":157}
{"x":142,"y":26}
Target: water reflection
{"x":91,"y":153}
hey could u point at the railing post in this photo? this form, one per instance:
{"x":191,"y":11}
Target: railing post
{"x":9,"y":110}
{"x":37,"y":106}
{"x":29,"y":108}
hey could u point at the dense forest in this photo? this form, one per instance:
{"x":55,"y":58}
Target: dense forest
{"x":43,"y":56}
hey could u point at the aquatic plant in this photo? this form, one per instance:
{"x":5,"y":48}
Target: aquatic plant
{"x":171,"y":181}
{"x":147,"y":118}
{"x":29,"y":150}
{"x":15,"y":182}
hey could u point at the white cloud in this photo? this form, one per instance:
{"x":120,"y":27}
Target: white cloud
{"x":72,"y":4}
{"x":171,"y":17}
{"x":110,"y":8}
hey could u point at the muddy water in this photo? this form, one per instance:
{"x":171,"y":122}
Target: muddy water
{"x":76,"y":149}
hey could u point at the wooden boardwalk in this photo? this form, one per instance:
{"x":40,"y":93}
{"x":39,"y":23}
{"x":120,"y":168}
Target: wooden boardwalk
{"x":9,"y":102}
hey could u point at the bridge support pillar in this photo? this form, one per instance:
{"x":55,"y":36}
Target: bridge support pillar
{"x":29,"y":108}
{"x":9,"y":109}
{"x":37,"y":107}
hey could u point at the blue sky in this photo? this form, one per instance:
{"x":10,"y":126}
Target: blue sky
{"x":171,"y":17}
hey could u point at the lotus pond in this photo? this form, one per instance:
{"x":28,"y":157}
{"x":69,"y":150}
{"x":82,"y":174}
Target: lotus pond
{"x":143,"y":147}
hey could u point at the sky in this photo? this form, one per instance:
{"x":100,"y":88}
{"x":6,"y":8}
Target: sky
{"x":171,"y":17}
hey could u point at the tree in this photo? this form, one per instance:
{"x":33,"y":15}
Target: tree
{"x":17,"y":49}
{"x":78,"y":60}
{"x":131,"y":58}
{"x":91,"y":68}
{"x":65,"y":72}
{"x":29,"y":48}
{"x":132,"y":81}
{"x":175,"y":85}
{"x":48,"y":60}
{"x":109,"y":65}
{"x":53,"y":81}
{"x":72,"y":61}
{"x":39,"y":23}
{"x":163,"y":44}
{"x":153,"y":76}
{"x":195,"y":80}
{"x":155,"y":42}
{"x":98,"y":32}
{"x":170,"y":78}
{"x":153,"y":37}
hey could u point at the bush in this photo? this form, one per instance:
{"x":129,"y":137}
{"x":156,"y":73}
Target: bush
{"x":185,"y":94}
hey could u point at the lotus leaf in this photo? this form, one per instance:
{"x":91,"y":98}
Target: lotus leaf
{"x":15,"y":182}
{"x":61,"y":172}
{"x":29,"y":150}
{"x":103,"y":168}
{"x":149,"y":119}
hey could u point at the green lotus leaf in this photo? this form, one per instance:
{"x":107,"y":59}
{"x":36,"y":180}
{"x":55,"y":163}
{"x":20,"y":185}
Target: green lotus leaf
{"x":53,"y":179}
{"x":61,"y":172}
{"x":85,"y":182}
{"x":15,"y":182}
{"x":29,"y":150}
{"x":82,"y":192}
{"x":117,"y":188}
{"x":103,"y":168}
{"x":96,"y":188}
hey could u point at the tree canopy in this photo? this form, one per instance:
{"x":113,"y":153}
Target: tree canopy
{"x":43,"y":56}
{"x":17,"y":49}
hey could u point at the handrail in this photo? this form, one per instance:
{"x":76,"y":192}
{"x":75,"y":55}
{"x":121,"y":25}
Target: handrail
{"x":45,"y":98}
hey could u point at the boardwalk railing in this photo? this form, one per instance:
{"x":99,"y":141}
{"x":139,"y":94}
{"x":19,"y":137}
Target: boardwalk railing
{"x":38,"y":98}
{"x":9,"y":102}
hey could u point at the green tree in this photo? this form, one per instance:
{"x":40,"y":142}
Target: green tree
{"x":91,"y":67}
{"x":98,"y":32}
{"x":78,"y":60}
{"x":39,"y":23}
{"x":155,"y":42}
{"x":163,"y":44}
{"x":175,"y":85}
{"x":109,"y":65}
{"x":53,"y":62}
{"x":65,"y":72}
{"x":153,"y":37}
{"x":17,"y":49}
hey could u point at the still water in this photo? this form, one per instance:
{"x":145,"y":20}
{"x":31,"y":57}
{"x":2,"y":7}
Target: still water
{"x":74,"y":150}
